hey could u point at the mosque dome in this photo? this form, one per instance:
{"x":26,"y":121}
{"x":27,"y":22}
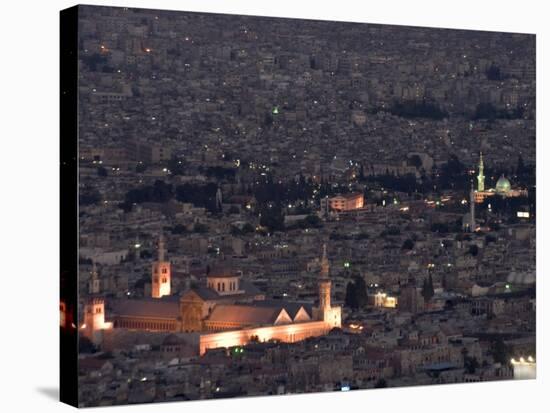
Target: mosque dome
{"x":503,"y":185}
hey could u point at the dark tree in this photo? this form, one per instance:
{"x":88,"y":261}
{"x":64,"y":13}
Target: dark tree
{"x":101,"y":171}
{"x":408,"y":244}
{"x":273,"y":219}
{"x":490,"y":238}
{"x":351,"y":298}
{"x":92,"y":61}
{"x":85,"y":345}
{"x":200,"y":228}
{"x":380,"y":384}
{"x":361,"y":290}
{"x":176,"y":167}
{"x":500,"y":351}
{"x":356,"y":293}
{"x":414,"y":109}
{"x":178,"y":229}
{"x":198,"y":195}
{"x":520,"y":168}
{"x":162,"y":192}
{"x":427,"y":289}
{"x":89,"y":196}
{"x":233,"y":210}
{"x":453,"y":174}
{"x":415,"y":161}
{"x":311,"y":221}
{"x":145,"y":254}
{"x":493,"y":72}
{"x":439,"y":227}
{"x":470,"y":365}
{"x":221,"y":173}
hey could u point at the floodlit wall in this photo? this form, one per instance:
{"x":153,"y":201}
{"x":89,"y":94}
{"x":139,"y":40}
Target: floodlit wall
{"x":288,"y":333}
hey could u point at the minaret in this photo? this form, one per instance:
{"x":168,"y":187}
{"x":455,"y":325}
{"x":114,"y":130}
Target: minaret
{"x":480,"y":176}
{"x":137,"y":246}
{"x":409,"y":296}
{"x":472,"y":210}
{"x":324,"y":284}
{"x":94,"y":283}
{"x":162,"y":251}
{"x":161,"y":273}
{"x":325,"y":265}
{"x":94,"y":319}
{"x":219,"y":199}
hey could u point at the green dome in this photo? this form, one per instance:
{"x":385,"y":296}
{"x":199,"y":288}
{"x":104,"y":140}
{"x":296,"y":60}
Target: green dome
{"x":503,"y":185}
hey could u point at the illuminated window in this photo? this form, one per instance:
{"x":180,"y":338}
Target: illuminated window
{"x":98,"y":310}
{"x":164,"y":280}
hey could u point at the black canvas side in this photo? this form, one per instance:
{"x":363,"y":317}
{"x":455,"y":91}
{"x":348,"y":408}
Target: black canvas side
{"x":68,"y":206}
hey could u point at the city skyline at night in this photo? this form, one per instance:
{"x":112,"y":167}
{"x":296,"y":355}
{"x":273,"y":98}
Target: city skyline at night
{"x":273,"y":206}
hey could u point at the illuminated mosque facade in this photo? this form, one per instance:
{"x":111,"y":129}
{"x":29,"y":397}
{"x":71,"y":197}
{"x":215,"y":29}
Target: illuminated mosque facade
{"x":502,"y":188}
{"x":226,"y":311}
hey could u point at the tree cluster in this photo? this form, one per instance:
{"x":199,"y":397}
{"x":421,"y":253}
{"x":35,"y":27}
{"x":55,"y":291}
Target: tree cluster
{"x":427,"y":289}
{"x":485,"y":110}
{"x":415,"y":109}
{"x":356,"y":293}
{"x":160,"y":192}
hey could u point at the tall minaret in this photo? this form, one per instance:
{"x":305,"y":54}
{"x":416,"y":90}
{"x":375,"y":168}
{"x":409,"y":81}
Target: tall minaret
{"x":161,"y":247}
{"x":219,"y":199}
{"x":94,"y":319}
{"x":94,"y":283}
{"x":161,"y":273}
{"x":472,"y":210}
{"x":324,"y":284}
{"x":480,"y":176}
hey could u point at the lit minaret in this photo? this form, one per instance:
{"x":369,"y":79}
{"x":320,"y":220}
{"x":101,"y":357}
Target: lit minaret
{"x":93,"y":285}
{"x":480,"y":176}
{"x":94,"y":319}
{"x":324,"y":283}
{"x":161,"y":274}
{"x":325,"y":266}
{"x":332,"y":316}
{"x":472,"y":210}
